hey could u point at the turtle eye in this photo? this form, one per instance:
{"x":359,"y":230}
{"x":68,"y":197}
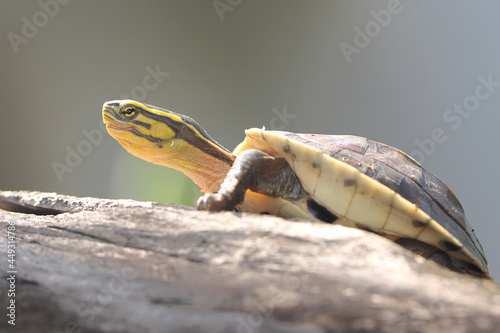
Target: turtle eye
{"x":129,"y":112}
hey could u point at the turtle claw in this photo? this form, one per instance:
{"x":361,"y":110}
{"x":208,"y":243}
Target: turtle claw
{"x":214,"y":202}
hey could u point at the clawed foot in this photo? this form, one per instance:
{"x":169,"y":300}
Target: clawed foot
{"x":214,"y":202}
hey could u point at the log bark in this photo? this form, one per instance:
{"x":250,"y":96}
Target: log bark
{"x":96,"y":265}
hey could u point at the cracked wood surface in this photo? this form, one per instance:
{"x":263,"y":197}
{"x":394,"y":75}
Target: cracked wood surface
{"x":96,"y":265}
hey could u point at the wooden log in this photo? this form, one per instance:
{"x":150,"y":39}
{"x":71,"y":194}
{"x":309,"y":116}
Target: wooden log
{"x":95,"y":265}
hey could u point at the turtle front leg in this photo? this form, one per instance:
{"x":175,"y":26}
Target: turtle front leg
{"x":256,"y":171}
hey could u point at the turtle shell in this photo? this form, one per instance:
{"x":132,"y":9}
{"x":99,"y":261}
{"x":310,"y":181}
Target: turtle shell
{"x":370,"y":185}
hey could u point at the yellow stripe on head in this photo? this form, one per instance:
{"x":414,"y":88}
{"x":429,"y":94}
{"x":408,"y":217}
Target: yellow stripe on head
{"x":163,"y":137}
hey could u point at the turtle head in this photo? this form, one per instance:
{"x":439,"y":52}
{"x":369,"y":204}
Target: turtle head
{"x":166,"y":138}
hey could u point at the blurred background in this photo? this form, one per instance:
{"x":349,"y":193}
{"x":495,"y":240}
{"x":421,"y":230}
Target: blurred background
{"x":420,"y":76}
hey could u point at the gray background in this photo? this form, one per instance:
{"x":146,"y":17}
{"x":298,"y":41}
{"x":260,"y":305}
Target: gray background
{"x":238,"y":69}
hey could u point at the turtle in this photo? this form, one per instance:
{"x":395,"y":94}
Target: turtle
{"x":339,"y":179}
